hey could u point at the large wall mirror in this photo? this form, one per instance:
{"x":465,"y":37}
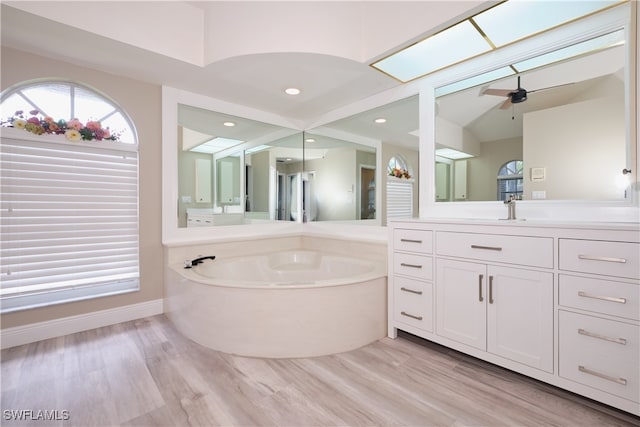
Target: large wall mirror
{"x":229,"y":169}
{"x":363,"y":150}
{"x":558,"y":131}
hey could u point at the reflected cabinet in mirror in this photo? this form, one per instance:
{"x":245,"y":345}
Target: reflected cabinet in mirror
{"x":557,"y":131}
{"x":229,"y":169}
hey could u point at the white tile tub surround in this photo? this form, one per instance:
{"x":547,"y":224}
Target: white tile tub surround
{"x":285,"y":321}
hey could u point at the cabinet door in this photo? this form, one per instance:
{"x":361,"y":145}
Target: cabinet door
{"x":460,"y":302}
{"x":520,"y":316}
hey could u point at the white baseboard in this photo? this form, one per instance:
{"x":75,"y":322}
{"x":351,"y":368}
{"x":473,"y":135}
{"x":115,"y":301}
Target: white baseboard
{"x":26,"y":334}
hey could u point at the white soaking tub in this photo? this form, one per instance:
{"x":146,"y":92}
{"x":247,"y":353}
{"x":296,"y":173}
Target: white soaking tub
{"x":296,"y":303}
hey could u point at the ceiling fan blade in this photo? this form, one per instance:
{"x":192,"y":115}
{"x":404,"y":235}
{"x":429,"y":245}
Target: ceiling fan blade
{"x":550,"y":87}
{"x":506,"y":104}
{"x":497,"y":92}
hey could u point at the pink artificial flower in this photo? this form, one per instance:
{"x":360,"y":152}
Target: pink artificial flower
{"x":107,"y":133}
{"x":75,"y":124}
{"x":94,"y":126}
{"x":49,"y":119}
{"x":99,"y":133}
{"x":34,"y":120}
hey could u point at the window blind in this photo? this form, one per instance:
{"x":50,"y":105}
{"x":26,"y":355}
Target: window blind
{"x":69,"y":221}
{"x":399,"y":198}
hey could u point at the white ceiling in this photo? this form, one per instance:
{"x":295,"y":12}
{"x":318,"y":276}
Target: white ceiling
{"x":250,"y":78}
{"x":328,"y":82}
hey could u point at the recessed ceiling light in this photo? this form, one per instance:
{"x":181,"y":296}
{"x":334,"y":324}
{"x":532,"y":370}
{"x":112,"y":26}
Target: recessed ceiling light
{"x":289,"y":159}
{"x":309,"y":140}
{"x":229,"y":124}
{"x":292,"y":91}
{"x":380,"y":120}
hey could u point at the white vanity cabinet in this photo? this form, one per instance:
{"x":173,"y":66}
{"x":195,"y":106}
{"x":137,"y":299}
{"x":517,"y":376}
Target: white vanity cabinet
{"x":557,"y":302}
{"x":412,"y":288}
{"x":504,"y":310}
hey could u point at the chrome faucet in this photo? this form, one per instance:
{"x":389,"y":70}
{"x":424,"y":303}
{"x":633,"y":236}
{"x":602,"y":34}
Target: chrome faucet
{"x":511,"y":206}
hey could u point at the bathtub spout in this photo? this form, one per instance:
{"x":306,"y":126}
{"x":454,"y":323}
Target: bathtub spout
{"x":194,"y":262}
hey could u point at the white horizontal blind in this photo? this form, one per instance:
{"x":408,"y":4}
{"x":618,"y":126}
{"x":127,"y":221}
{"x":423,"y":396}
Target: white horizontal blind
{"x":69,"y":221}
{"x":399,"y":198}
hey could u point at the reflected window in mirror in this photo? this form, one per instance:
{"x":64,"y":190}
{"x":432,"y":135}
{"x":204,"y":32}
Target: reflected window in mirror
{"x":399,"y":191}
{"x":510,"y":180}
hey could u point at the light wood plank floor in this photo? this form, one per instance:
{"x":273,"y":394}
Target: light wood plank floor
{"x":145,"y":373}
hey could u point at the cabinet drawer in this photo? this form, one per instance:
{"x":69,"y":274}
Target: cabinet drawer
{"x":533,"y":251}
{"x":405,"y":239}
{"x":600,"y":353}
{"x":600,"y":296}
{"x":420,"y":267}
{"x":413,"y":303}
{"x":619,"y":259}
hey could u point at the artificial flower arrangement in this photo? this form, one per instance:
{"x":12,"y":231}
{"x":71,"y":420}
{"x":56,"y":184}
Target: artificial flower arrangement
{"x":73,"y":130}
{"x":399,"y":173}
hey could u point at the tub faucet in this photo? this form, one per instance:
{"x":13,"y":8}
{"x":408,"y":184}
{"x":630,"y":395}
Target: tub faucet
{"x":511,"y":206}
{"x":194,"y":262}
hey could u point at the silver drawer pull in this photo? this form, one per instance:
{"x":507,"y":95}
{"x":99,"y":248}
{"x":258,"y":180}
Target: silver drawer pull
{"x":410,"y":241}
{"x":411,"y":291}
{"x":602,"y":337}
{"x":610,"y":299}
{"x":601,"y":375}
{"x":404,"y":264}
{"x":411,"y":315}
{"x":602,"y":258}
{"x":488,"y":248}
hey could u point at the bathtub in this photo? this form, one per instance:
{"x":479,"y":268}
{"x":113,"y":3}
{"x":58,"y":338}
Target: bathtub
{"x":293,"y":303}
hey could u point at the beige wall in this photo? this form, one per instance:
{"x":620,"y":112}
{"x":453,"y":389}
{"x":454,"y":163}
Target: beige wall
{"x":142,"y":101}
{"x":587,"y":141}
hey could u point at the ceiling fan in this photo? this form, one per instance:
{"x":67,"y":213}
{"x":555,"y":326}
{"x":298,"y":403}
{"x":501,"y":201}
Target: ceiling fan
{"x":514,"y":96}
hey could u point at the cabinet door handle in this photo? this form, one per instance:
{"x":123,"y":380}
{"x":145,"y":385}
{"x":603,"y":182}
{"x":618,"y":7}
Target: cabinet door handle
{"x":488,"y":248}
{"x":490,"y":289}
{"x":602,"y":258}
{"x":610,"y":299}
{"x":403,"y":264}
{"x":410,"y":241}
{"x":411,"y":291}
{"x":480,"y":277}
{"x":601,"y":375}
{"x":602,"y":337}
{"x":411,"y":315}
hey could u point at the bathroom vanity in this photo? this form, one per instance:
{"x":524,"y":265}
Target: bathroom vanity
{"x":559,"y":302}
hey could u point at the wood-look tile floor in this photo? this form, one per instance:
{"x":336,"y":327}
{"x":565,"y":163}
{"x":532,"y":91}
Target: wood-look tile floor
{"x":145,"y":373}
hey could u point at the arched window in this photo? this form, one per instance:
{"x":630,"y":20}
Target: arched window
{"x":399,"y":188}
{"x":510,"y":180}
{"x":69,"y":226}
{"x":61,"y":100}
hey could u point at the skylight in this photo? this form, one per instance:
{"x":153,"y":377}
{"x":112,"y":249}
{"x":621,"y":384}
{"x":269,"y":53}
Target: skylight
{"x":452,"y":154}
{"x":598,"y":43}
{"x":498,"y":26}
{"x":216,"y":144}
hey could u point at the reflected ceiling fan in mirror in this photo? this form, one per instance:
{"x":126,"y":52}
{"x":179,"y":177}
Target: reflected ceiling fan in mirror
{"x":514,"y":96}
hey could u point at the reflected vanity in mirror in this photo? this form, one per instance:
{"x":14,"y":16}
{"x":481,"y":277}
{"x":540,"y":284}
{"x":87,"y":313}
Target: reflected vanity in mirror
{"x":550,"y":132}
{"x":229,"y":168}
